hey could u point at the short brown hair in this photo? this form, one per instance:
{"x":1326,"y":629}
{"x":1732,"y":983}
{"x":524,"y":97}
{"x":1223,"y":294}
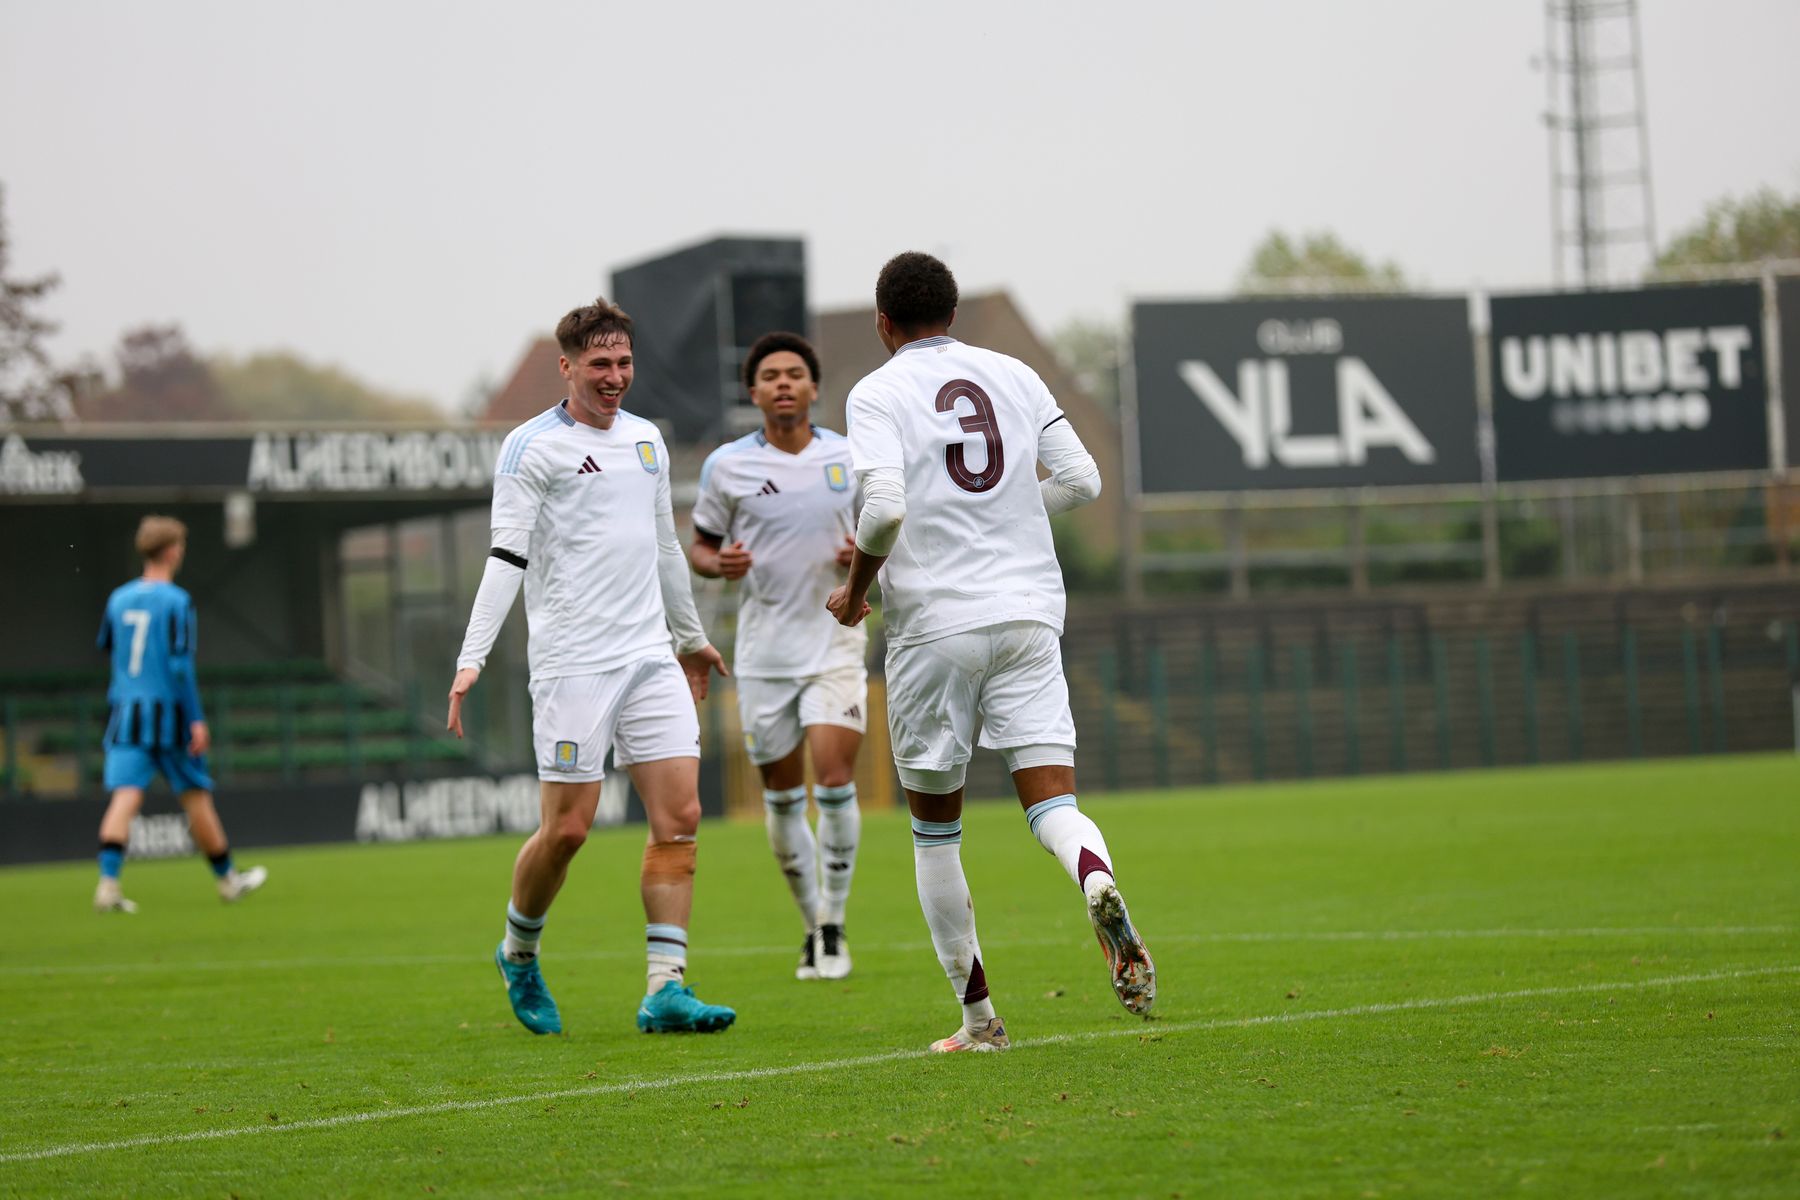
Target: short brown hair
{"x":582,"y":327}
{"x":156,"y":534}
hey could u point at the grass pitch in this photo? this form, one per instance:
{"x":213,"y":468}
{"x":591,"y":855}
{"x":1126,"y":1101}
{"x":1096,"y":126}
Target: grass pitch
{"x":1565,"y":982}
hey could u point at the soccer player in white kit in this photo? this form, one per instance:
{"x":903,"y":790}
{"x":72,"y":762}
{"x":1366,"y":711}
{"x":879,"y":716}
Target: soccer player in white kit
{"x":946,"y":438}
{"x":775,"y":511}
{"x":582,"y":517}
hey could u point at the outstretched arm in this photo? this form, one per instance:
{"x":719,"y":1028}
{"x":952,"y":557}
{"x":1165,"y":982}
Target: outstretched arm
{"x":500,"y":583}
{"x":672,"y":575}
{"x":1074,"y":478}
{"x":697,"y":656}
{"x":519,"y":490}
{"x":877,"y":529}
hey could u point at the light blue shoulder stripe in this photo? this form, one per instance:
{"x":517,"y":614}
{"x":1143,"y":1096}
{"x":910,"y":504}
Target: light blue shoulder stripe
{"x":747,"y":442}
{"x":515,"y":441}
{"x":521,"y":438}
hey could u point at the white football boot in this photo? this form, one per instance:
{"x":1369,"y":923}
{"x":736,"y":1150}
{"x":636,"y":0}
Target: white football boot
{"x":108,"y":898}
{"x":1127,"y":958}
{"x":238,"y":884}
{"x":834,"y":953}
{"x":808,"y":966}
{"x":991,"y":1036}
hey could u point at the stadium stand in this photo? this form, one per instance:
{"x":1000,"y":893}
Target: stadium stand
{"x":273,"y":721}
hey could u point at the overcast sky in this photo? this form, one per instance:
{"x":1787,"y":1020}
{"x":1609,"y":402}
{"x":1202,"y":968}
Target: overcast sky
{"x":412,"y":191}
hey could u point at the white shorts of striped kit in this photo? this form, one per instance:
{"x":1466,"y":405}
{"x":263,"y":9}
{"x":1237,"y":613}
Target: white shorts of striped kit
{"x":1001,"y":687}
{"x":777,"y":712}
{"x":642,"y":712}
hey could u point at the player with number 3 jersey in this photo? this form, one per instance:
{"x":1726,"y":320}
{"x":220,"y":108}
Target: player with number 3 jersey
{"x":946,"y":438}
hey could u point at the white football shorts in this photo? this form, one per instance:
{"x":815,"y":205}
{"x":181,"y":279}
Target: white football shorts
{"x":642,"y":711}
{"x":1005,"y":681}
{"x":777,"y":712}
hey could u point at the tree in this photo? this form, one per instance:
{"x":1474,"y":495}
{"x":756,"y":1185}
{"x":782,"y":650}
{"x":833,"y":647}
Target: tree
{"x":1314,"y":262}
{"x":1089,"y":350}
{"x":1759,"y":227}
{"x":160,"y":379}
{"x":32,"y":387}
{"x":280,"y":386}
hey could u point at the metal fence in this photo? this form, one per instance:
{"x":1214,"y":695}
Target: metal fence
{"x":1157,"y":707}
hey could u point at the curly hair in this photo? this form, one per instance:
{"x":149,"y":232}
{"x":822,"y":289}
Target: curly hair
{"x":916,"y":291}
{"x":591,"y":323}
{"x":775,"y":343}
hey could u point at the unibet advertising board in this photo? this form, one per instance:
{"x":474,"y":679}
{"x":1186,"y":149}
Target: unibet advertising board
{"x":1656,"y":381}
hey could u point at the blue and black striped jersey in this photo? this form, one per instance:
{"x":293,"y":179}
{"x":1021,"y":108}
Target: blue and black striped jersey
{"x":149,"y":632}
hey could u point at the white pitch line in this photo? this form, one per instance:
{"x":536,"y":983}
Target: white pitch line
{"x":845,"y":1064}
{"x":1251,"y":938}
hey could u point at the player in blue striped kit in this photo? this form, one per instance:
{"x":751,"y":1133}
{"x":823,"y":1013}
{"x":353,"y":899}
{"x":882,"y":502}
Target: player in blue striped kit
{"x":156,"y":725}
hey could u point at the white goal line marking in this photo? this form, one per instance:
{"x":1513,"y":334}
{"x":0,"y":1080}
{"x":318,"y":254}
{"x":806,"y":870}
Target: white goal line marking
{"x":1252,"y":937}
{"x":847,"y":1064}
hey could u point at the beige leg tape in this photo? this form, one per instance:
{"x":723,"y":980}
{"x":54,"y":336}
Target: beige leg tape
{"x":669,"y":862}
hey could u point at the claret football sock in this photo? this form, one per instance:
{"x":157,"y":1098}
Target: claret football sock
{"x":950,"y":914}
{"x":791,"y":838}
{"x":840,"y":832}
{"x":1066,"y":832}
{"x":522,"y":934}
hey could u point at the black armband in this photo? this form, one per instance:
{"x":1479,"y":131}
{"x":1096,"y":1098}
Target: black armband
{"x":507,"y":556}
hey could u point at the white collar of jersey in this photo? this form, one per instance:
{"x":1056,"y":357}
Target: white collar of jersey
{"x":941,"y":339}
{"x":762,"y":438}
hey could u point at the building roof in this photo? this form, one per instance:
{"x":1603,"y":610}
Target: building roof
{"x":535,"y":385}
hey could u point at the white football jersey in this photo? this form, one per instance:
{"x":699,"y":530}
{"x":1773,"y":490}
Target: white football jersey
{"x":589,"y":498}
{"x":962,"y":423}
{"x":792,"y":512}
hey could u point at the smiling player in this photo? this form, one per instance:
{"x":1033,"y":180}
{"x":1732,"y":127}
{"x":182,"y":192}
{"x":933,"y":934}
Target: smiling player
{"x":582,"y":518}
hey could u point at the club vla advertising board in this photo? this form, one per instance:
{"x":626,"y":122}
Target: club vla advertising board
{"x":1304,"y":392}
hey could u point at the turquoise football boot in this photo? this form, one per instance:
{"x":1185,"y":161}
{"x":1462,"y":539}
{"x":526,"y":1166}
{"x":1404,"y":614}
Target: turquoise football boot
{"x":531,"y":1001}
{"x":675,"y":1009}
